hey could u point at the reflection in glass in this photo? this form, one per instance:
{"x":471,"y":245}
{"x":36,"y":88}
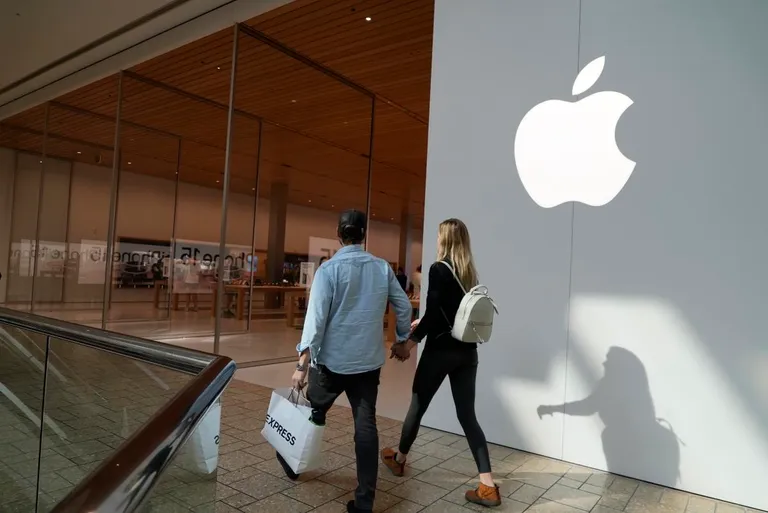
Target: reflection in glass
{"x":190,"y":480}
{"x":22,"y":140}
{"x":397,"y":192}
{"x":75,"y":207}
{"x":141,"y":252}
{"x":22,"y":366}
{"x":312,"y":164}
{"x":96,"y":401}
{"x":242,"y":265}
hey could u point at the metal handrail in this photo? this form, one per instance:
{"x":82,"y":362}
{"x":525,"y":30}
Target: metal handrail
{"x":122,"y":482}
{"x":171,"y":357}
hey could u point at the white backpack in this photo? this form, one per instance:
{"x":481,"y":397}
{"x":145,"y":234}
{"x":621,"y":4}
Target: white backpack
{"x":474,"y":319}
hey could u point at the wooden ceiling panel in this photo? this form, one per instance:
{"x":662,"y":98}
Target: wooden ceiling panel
{"x":205,"y":62}
{"x":32,"y":119}
{"x":336,"y":34}
{"x":164,"y":110}
{"x":24,"y":139}
{"x":99,"y":96}
{"x":93,"y":131}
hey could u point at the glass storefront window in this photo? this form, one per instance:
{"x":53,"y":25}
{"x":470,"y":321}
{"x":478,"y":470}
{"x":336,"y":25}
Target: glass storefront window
{"x":125,"y":196}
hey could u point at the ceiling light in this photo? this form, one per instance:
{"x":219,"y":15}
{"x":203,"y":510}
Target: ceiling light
{"x":293,"y":101}
{"x":310,"y":201}
{"x":129,"y":163}
{"x":79,"y":152}
{"x":253,"y":189}
{"x":218,"y":67}
{"x":333,"y":206}
{"x":217,"y":181}
{"x":367,"y":18}
{"x":41,"y":161}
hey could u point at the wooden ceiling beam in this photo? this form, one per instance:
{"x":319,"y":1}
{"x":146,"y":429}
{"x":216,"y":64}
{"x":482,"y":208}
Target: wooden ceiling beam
{"x":247,"y":29}
{"x":64,"y":138}
{"x":207,"y":101}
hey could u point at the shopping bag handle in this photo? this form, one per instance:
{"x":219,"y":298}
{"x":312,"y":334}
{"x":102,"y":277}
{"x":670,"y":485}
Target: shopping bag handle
{"x":299,"y":393}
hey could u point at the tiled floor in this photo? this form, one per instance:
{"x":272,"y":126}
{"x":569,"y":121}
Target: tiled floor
{"x":440,"y":470}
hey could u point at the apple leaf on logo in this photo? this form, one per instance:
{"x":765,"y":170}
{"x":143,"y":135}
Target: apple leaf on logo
{"x":588,"y":76}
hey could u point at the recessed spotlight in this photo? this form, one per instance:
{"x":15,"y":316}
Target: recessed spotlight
{"x":253,"y":189}
{"x":391,"y":218}
{"x":293,"y":101}
{"x":367,"y":18}
{"x":217,"y":181}
{"x":218,"y":68}
{"x":333,"y":206}
{"x":310,"y":201}
{"x":79,"y":152}
{"x":41,"y":161}
{"x":129,"y":163}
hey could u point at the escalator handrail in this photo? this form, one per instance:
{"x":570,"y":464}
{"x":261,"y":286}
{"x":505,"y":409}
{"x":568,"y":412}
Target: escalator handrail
{"x":124,"y":480}
{"x":171,"y":357}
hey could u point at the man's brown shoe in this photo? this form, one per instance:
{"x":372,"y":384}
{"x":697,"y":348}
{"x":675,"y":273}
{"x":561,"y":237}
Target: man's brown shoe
{"x":487,"y":496}
{"x":388,"y":458}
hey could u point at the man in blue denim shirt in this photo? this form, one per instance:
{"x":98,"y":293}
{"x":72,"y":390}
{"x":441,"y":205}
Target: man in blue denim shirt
{"x":342,"y":345}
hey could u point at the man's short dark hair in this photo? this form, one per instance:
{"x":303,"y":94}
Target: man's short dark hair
{"x":352,"y":226}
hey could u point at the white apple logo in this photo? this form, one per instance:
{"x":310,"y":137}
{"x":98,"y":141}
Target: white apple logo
{"x":566,"y":151}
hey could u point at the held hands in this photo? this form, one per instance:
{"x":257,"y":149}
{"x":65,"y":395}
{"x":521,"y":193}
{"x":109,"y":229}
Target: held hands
{"x":402,"y":351}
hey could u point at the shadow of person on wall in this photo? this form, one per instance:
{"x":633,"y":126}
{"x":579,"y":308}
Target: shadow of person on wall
{"x":635,"y":441}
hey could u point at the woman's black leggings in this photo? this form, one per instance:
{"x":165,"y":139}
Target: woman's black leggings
{"x":461,"y":368}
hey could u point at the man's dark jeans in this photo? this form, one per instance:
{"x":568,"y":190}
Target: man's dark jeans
{"x":362,"y":390}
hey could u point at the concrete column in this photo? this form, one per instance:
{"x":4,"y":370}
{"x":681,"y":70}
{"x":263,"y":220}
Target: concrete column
{"x":278,"y":213}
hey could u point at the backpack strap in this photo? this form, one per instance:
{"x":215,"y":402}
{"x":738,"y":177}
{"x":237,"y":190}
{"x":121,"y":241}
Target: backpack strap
{"x":478,"y":289}
{"x":454,"y":275}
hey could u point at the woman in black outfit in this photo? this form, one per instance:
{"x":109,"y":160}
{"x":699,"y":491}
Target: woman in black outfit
{"x":445,"y":356}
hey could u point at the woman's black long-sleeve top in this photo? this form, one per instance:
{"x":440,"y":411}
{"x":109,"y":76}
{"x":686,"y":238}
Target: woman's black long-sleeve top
{"x":444,"y":295}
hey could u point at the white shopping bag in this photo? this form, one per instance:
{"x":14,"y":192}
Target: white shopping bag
{"x":204,"y":441}
{"x":288,"y":429}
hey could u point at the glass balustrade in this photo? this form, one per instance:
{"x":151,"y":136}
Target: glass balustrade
{"x":66,"y":407}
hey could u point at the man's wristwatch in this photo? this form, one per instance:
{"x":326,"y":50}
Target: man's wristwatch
{"x":300,"y":367}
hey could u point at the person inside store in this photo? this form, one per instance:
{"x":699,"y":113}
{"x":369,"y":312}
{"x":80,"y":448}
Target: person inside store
{"x":191,"y":282}
{"x":158,"y":269}
{"x":402,"y":279}
{"x":416,"y":283}
{"x":342,"y":344}
{"x":444,"y":356}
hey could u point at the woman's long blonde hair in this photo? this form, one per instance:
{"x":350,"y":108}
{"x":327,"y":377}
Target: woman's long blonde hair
{"x":453,"y":245}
